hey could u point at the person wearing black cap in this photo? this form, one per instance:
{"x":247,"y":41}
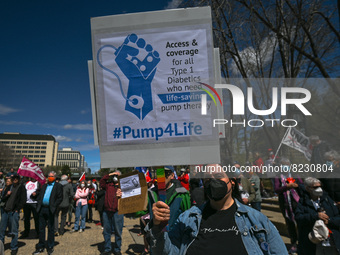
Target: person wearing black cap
{"x":14,"y":198}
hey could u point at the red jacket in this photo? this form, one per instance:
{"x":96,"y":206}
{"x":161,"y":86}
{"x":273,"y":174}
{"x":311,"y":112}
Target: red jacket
{"x":111,"y":200}
{"x":259,"y":162}
{"x":184,"y":181}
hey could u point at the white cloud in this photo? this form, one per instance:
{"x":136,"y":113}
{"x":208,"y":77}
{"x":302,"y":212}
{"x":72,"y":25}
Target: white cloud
{"x":250,"y":56}
{"x":86,"y":147}
{"x":15,"y":123}
{"x":84,"y":111}
{"x":61,"y":138}
{"x":79,"y":126}
{"x":4,"y":110}
{"x":173,"y":4}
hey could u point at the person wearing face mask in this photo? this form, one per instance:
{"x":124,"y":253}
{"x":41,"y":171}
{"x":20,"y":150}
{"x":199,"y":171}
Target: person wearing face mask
{"x":81,"y":207}
{"x":112,"y":221}
{"x":49,"y":198}
{"x":64,"y":206}
{"x":90,"y":201}
{"x":223,"y":225}
{"x":289,"y":192}
{"x":331,"y":183}
{"x":317,"y":205}
{"x":247,"y":191}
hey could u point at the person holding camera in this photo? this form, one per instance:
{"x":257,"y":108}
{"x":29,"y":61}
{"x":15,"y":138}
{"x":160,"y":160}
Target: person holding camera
{"x":111,"y":219}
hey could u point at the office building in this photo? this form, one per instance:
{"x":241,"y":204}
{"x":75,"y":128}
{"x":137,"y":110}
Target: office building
{"x":74,"y":159}
{"x":40,"y":149}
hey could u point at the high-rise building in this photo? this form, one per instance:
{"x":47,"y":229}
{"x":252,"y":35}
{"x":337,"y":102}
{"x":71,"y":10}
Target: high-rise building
{"x":74,"y":159}
{"x":40,"y":149}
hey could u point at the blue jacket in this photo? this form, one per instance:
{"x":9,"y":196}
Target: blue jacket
{"x":259,"y":235}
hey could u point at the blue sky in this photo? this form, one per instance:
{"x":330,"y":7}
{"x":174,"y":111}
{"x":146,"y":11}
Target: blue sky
{"x":44,"y":83}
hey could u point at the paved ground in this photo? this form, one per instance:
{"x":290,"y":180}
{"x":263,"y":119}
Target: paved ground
{"x":91,"y":241}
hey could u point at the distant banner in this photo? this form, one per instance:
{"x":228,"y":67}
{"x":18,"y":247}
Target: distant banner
{"x":29,"y":169}
{"x":298,"y":141}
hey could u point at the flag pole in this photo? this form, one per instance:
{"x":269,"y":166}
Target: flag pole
{"x":284,"y":136}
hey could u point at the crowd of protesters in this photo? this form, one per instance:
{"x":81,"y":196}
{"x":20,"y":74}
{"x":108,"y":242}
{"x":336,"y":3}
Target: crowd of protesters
{"x":206,"y":211}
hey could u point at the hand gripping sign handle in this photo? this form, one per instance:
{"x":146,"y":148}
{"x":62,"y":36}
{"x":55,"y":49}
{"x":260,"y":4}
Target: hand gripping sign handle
{"x":161,"y":189}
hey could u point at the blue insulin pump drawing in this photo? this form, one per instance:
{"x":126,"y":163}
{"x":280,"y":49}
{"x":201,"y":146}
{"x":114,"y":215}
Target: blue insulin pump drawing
{"x":138,"y":61}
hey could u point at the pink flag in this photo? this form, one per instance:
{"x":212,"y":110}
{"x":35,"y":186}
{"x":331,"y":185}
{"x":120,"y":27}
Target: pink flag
{"x":29,"y":169}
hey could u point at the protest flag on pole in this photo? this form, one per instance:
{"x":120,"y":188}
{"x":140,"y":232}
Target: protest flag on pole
{"x":29,"y":169}
{"x":82,"y":177}
{"x":141,"y":169}
{"x":298,"y":141}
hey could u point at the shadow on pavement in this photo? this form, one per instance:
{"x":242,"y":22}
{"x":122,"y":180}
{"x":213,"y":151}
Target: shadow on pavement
{"x":134,"y":249}
{"x":100,"y":246}
{"x":7,"y":246}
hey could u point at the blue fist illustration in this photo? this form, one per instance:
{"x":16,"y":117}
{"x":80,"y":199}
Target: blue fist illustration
{"x":138,"y":61}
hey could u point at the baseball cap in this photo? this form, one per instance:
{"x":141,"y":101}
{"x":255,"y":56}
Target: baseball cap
{"x":169,"y":168}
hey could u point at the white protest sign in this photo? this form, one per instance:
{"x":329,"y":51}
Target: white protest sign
{"x":150,"y":70}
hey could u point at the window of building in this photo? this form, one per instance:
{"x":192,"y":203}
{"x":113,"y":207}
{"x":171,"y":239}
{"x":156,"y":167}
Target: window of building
{"x":25,"y":147}
{"x":42,"y":156}
{"x":19,"y":142}
{"x":37,"y":147}
{"x":25,"y":142}
{"x":19,"y":147}
{"x":17,"y":151}
{"x":30,"y":156}
{"x":31,"y":147}
{"x":42,"y":160}
{"x":36,"y":156}
{"x":5,"y":142}
{"x":44,"y":143}
{"x":37,"y":151}
{"x":12,"y":147}
{"x":38,"y":143}
{"x":30,"y":151}
{"x":13,"y":142}
{"x":43,"y":147}
{"x":43,"y":152}
{"x":24,"y":151}
{"x":32,"y":142}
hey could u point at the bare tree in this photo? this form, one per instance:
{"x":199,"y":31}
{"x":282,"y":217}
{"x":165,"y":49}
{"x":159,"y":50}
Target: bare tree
{"x":273,"y":39}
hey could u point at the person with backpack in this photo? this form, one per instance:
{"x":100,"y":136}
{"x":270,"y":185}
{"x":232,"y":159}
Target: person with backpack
{"x":177,"y":197}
